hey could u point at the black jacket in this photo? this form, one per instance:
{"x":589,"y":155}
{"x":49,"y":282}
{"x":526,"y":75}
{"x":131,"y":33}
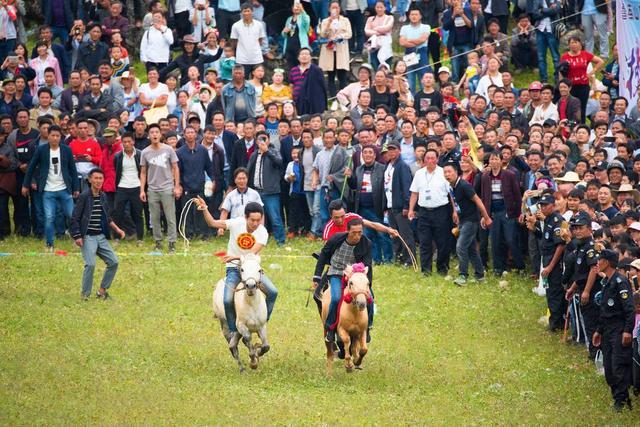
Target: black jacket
{"x":400,"y":185}
{"x":90,"y":54}
{"x":184,"y":61}
{"x":362,"y":253}
{"x":377,"y":187}
{"x":66,"y":101}
{"x":82,"y":214}
{"x":239,"y":157}
{"x":271,"y":167}
{"x":117,"y":163}
{"x":90,"y":109}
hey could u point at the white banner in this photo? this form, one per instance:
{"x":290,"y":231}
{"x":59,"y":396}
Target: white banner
{"x":628,"y":38}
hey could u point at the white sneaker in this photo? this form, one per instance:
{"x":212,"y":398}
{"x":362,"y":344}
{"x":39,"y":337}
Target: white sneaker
{"x":461,"y":281}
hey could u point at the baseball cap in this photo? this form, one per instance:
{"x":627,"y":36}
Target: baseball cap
{"x":393,"y":144}
{"x":581,"y":218}
{"x":536,"y":85}
{"x":601,"y":166}
{"x":609,"y":255}
{"x":547,"y":199}
{"x":549,"y":122}
{"x":634,"y":226}
{"x":635,"y":264}
{"x":616,"y":165}
{"x":109,"y":132}
{"x":444,"y":69}
{"x":568,"y":177}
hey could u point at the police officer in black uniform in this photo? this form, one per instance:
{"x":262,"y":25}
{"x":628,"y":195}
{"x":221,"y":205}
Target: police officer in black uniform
{"x":584,"y":283}
{"x":615,"y":326}
{"x":548,"y":229}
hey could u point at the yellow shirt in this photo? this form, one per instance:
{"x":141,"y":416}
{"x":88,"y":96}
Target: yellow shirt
{"x":269,"y":92}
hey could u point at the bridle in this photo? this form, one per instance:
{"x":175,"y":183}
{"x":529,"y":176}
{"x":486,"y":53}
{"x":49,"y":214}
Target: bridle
{"x":350,"y":296}
{"x":251,"y":281}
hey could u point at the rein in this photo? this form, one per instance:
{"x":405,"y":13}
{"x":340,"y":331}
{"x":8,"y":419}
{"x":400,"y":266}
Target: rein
{"x":350,"y":297}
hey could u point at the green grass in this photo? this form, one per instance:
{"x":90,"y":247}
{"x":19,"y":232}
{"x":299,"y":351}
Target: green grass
{"x":154,"y":354}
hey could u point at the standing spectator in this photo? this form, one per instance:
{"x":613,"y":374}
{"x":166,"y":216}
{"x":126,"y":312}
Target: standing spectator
{"x":244,"y":147}
{"x":194,"y":164}
{"x":111,"y":145}
{"x":611,"y":78}
{"x":298,"y":218}
{"x":307,"y":81}
{"x":501,"y":198}
{"x":469,"y":208}
{"x":92,"y":51}
{"x":40,"y":64}
{"x":397,"y":183}
{"x":8,"y":32}
{"x":190,"y":57}
{"x":8,"y":102}
{"x":578,"y":61}
{"x":368,"y":185}
{"x":24,"y":140}
{"x":213,"y":142}
{"x":378,"y":29}
{"x":44,"y":108}
{"x":547,"y":109}
{"x":595,"y":14}
{"x":295,"y":33}
{"x":115,"y":23}
{"x":153,"y":94}
{"x":239,"y":98}
{"x":54,"y":172}
{"x":500,"y":41}
{"x":328,"y":173}
{"x":247,"y":36}
{"x":70,"y":97}
{"x":59,"y":16}
{"x":95,"y":104}
{"x":77,"y":36}
{"x":414,"y":38}
{"x":307,"y":156}
{"x":87,"y":230}
{"x":8,"y":166}
{"x":430,"y":195}
{"x":265,"y":170}
{"x":461,"y":25}
{"x":46,"y":34}
{"x":499,"y":10}
{"x":334,"y":54}
{"x":159,"y":170}
{"x":544,"y":14}
{"x":87,"y":153}
{"x":568,"y":105}
{"x":203,"y":19}
{"x":155,"y":47}
{"x":228,"y":14}
{"x":236,"y":199}
{"x":523,"y":42}
{"x":127,"y":166}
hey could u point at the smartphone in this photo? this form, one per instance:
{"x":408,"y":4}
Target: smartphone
{"x":13,"y":59}
{"x":465,"y":151}
{"x":610,"y":139}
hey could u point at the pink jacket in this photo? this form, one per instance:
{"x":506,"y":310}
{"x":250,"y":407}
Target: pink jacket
{"x":39,"y":66}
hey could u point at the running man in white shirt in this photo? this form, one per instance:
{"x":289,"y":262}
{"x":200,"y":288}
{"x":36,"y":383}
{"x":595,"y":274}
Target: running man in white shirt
{"x":246,"y":235}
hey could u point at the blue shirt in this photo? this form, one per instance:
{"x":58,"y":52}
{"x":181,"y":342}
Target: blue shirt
{"x":589,"y":7}
{"x":407,"y":153}
{"x":229,"y":5}
{"x":414,"y":32}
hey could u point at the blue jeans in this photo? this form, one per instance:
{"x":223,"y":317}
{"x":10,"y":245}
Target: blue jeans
{"x":313,"y":203}
{"x":467,"y":249}
{"x":50,"y":200}
{"x":459,"y":64}
{"x":381,"y":247}
{"x":232,"y":280}
{"x":546,"y":41}
{"x":325,"y":197}
{"x":61,"y":32}
{"x":320,"y":8}
{"x":421,"y":68}
{"x":92,"y":246}
{"x":503,"y":234}
{"x":272,"y":210}
{"x":37,"y":213}
{"x":335,"y":286}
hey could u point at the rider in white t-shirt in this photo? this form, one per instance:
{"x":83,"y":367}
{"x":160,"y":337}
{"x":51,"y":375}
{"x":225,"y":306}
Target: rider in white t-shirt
{"x":246,"y":235}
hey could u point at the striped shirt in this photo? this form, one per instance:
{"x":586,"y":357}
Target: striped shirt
{"x":95,"y":223}
{"x":296,"y":78}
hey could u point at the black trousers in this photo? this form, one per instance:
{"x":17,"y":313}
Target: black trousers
{"x":21,"y":209}
{"x":522,"y":56}
{"x":133,"y":221}
{"x":225,"y":21}
{"x":434,"y":225}
{"x":582,"y":93}
{"x":617,"y":360}
{"x":5,"y":224}
{"x":157,"y":65}
{"x":183,"y":26}
{"x":298,"y":219}
{"x":401,"y":223}
{"x":434,"y":50}
{"x":555,"y":295}
{"x":194,"y":220}
{"x":590,"y":316}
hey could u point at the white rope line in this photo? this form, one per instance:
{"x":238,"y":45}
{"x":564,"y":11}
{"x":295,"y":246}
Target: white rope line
{"x":182,"y":224}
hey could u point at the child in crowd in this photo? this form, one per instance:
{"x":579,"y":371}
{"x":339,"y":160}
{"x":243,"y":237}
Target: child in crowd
{"x":472,"y":73}
{"x":227,"y":62}
{"x":118,"y":64}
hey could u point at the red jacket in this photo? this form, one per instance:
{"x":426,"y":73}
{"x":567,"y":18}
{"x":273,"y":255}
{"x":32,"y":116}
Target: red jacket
{"x":90,"y":147}
{"x":108,"y":167}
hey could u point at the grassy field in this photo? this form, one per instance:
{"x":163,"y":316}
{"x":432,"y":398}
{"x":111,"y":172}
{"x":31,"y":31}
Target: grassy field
{"x":441,"y":355}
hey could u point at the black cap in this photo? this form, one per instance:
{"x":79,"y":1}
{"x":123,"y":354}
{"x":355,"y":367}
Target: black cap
{"x":394,"y":144}
{"x":549,"y":122}
{"x":609,"y":255}
{"x":170,"y":134}
{"x":194,"y":118}
{"x":581,"y":218}
{"x":434,"y":109}
{"x":601,"y":166}
{"x":547,"y":199}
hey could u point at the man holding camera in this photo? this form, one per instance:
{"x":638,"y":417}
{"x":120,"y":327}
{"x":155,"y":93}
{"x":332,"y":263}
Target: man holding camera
{"x":265,"y":169}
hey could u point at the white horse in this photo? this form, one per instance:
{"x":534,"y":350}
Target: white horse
{"x":251,"y":311}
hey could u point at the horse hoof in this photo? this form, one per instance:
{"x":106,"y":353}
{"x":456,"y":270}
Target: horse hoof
{"x":359,"y":367}
{"x":253,"y":365}
{"x":264,"y":349}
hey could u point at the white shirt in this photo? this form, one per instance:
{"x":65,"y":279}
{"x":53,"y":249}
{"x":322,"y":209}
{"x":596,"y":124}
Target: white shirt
{"x":183,"y":6}
{"x":541,"y":114}
{"x":55,"y":181}
{"x":432,"y":188}
{"x":544,"y":26}
{"x":235,"y":202}
{"x":388,"y":184}
{"x":248,"y":51}
{"x":156,"y":45}
{"x":129,"y":178}
{"x":486,"y":81}
{"x":155,"y":93}
{"x":237,"y":227}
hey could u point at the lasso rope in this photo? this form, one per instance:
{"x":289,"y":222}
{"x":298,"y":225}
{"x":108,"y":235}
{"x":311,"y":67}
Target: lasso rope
{"x":182,"y":224}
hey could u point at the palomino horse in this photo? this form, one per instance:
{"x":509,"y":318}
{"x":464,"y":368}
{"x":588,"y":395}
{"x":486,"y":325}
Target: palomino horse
{"x":251,"y":311}
{"x":352,"y":317}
